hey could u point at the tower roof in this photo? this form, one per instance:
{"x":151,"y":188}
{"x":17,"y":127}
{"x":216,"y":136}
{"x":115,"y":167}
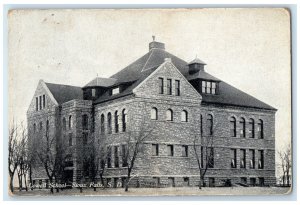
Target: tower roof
{"x":197,"y":61}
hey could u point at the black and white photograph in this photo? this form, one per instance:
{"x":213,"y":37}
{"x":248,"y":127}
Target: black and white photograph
{"x":149,"y":102}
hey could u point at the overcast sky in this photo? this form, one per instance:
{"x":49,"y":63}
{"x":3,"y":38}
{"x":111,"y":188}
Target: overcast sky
{"x":247,"y":48}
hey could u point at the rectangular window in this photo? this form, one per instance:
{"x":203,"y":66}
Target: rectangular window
{"x":84,"y":138}
{"x":252,"y":159}
{"x":109,"y":157}
{"x":161,"y":85}
{"x":208,"y":87}
{"x":177,"y":87}
{"x":124,"y":157}
{"x":170,"y":150}
{"x":116,"y":156}
{"x":93,"y":92}
{"x":252,"y":181}
{"x":203,"y":87}
{"x":233,"y":158}
{"x":70,"y":139}
{"x":44,"y":101}
{"x":260,"y":159}
{"x":116,"y":91}
{"x":210,"y":157}
{"x":213,"y":88}
{"x":154,"y":149}
{"x":40,"y":98}
{"x":169,"y":86}
{"x":156,"y":181}
{"x":243,"y":158}
{"x":185,"y":150}
{"x":244,"y":180}
{"x":186,"y":181}
{"x":36,"y":103}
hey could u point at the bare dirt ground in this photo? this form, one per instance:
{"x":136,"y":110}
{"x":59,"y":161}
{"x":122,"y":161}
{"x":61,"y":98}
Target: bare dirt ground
{"x":179,"y":191}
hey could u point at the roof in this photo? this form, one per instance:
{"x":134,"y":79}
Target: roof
{"x":202,"y":75}
{"x":101,"y":82}
{"x":64,"y":93}
{"x":198,"y":61}
{"x":229,"y":95}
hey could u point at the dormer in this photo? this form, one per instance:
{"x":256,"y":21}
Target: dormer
{"x":98,"y":86}
{"x":196,"y":65}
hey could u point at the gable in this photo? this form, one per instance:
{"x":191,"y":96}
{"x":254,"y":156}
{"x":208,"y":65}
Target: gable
{"x":41,"y":94}
{"x":149,"y":87}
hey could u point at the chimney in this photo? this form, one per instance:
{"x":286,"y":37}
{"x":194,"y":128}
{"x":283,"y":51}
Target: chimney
{"x":155,"y":44}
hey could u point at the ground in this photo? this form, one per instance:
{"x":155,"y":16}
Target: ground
{"x":161,"y":191}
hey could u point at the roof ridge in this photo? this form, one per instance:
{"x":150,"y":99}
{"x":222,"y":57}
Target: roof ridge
{"x":63,"y":84}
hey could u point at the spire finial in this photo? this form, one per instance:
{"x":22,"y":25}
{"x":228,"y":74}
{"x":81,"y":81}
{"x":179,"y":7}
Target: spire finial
{"x":153,"y":37}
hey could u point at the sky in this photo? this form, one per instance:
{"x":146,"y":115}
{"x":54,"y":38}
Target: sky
{"x":247,"y":48}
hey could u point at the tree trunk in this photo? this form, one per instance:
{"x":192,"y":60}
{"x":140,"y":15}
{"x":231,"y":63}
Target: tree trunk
{"x":200,"y":181}
{"x":30,"y":177}
{"x":102,"y":181}
{"x":11,"y":182}
{"x":26,"y":187}
{"x":127,"y":180}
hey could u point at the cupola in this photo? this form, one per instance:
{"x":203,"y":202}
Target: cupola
{"x":196,"y":65}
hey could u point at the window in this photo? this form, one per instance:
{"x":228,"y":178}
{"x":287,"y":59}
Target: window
{"x":184,"y":116}
{"x":185,"y":151}
{"x":64,"y":124}
{"x":41,"y":126}
{"x":201,"y":125}
{"x":186,"y":181}
{"x":109,"y":157}
{"x":116,"y":156}
{"x":124,"y":119}
{"x":36,"y":103}
{"x":116,"y":91}
{"x":243,"y":158}
{"x":209,"y":87}
{"x":154,"y":113}
{"x":169,"y":86}
{"x":261,"y":181}
{"x":161,"y":85}
{"x":260,"y":129}
{"x":211,"y":182}
{"x":170,"y":150}
{"x":40,"y":98}
{"x":116,"y":122}
{"x":34,"y":128}
{"x":252,"y":159}
{"x":70,"y":122}
{"x":210,"y":124}
{"x":124,"y":156}
{"x":109,"y":128}
{"x":260,"y":159}
{"x":171,"y":181}
{"x":233,"y":158}
{"x":154,"y":149}
{"x":252,"y":181}
{"x":84,"y":138}
{"x":47,"y":126}
{"x":213,"y":88}
{"x":242,"y":128}
{"x":210,"y":157}
{"x":244,"y":180}
{"x":232,"y":127}
{"x":156,"y":181}
{"x":85,"y":122}
{"x":70,"y":139}
{"x":102,"y":124}
{"x":251,"y":128}
{"x":93,"y":92}
{"x":177,"y":87}
{"x":169,"y":115}
{"x":44,"y":101}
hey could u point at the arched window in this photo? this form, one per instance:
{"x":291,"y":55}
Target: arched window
{"x":116,"y":122}
{"x":154,"y":113}
{"x":64,"y":122}
{"x":102,"y":124}
{"x":242,"y":128}
{"x":85,"y":122}
{"x":109,"y":123}
{"x":184,"y":116}
{"x":251,"y":128}
{"x":34,"y":128}
{"x":232,"y":127}
{"x":70,"y":122}
{"x":260,"y":129}
{"x":209,"y":124}
{"x":169,"y":115}
{"x":124,"y":120}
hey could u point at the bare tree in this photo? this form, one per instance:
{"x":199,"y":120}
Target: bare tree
{"x":13,"y":153}
{"x":22,"y":162}
{"x":133,"y":146}
{"x":286,"y":165}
